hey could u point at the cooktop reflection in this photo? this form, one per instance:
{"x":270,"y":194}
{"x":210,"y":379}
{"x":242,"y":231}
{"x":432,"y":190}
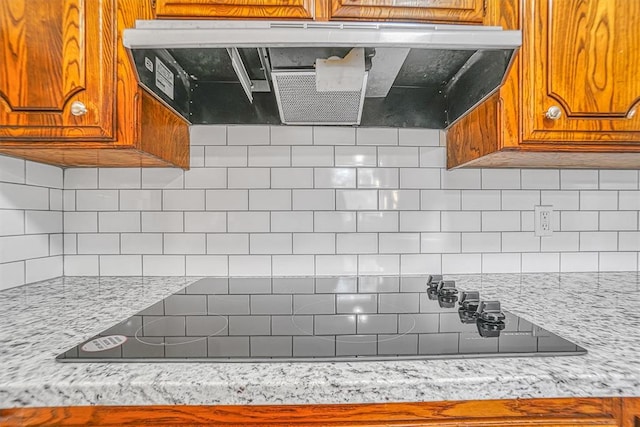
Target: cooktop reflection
{"x":326,"y":319}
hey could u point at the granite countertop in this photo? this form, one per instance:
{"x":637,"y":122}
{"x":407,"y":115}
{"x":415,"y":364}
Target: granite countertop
{"x":596,"y":311}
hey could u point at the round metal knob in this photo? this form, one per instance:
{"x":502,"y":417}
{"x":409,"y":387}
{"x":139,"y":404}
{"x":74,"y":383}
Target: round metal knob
{"x":553,"y":113}
{"x":78,"y":108}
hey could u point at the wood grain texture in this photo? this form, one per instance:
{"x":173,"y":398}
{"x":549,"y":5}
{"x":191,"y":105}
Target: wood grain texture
{"x":52,"y":53}
{"x":529,"y":412}
{"x":454,"y":11}
{"x":631,"y":412}
{"x":582,"y":56}
{"x":241,"y":9}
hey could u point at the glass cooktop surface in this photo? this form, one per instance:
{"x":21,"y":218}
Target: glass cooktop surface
{"x":327,"y":319}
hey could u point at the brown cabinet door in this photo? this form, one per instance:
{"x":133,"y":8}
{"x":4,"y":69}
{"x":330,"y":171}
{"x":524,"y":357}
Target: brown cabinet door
{"x":581,"y":61}
{"x":266,"y":9}
{"x":57,"y":57}
{"x":454,"y":11}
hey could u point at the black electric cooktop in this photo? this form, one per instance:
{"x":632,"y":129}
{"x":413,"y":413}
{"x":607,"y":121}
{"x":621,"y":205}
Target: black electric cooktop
{"x":326,"y":319}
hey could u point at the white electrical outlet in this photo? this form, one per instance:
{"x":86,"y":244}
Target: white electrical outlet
{"x":542,"y":220}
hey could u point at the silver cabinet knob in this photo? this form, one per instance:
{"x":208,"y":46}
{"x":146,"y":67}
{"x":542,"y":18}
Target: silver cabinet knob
{"x":78,"y":108}
{"x":553,"y":113}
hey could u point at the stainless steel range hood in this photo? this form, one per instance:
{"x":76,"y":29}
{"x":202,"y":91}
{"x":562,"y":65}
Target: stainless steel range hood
{"x":325,"y":73}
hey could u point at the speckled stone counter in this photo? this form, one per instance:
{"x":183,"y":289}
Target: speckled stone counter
{"x":596,"y":311}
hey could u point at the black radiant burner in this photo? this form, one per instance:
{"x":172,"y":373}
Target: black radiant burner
{"x":327,"y":319}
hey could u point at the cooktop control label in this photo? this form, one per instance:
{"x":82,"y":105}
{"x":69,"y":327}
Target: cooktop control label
{"x":104,"y":343}
{"x":164,"y":78}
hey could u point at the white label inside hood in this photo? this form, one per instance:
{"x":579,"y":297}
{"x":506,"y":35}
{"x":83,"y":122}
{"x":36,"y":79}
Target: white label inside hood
{"x":164,"y":78}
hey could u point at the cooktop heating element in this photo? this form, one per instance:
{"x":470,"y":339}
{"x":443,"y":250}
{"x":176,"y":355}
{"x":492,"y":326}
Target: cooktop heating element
{"x":320,"y":319}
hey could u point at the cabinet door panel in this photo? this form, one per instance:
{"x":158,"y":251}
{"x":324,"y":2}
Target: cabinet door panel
{"x":268,"y":9}
{"x":458,"y":11}
{"x":55,"y":53}
{"x":583,"y":57}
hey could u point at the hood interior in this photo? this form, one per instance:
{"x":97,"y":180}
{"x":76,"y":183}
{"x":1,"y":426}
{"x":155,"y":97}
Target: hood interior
{"x":393,"y":85}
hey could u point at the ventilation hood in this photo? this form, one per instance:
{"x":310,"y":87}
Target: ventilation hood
{"x":321,"y":73}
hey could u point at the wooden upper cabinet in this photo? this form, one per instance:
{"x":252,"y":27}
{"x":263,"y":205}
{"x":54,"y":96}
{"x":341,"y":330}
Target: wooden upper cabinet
{"x":583,"y":62}
{"x":58,"y":56}
{"x":454,"y":11}
{"x":241,"y":9}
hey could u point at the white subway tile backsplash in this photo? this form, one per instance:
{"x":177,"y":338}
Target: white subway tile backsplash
{"x":618,"y":261}
{"x":140,"y":200}
{"x":560,"y":242}
{"x":629,"y":241}
{"x":577,"y":179}
{"x":80,"y":178}
{"x":314,"y":243}
{"x":119,"y":178}
{"x":419,"y":137}
{"x":120,"y":265}
{"x":460,"y":221}
{"x":433,"y":157}
{"x":249,"y":178}
{"x":79,"y":222}
{"x":269,"y":156}
{"x":578,"y":261}
{"x":163,"y":265}
{"x":399,"y":243}
{"x":356,"y":156}
{"x":419,"y":221}
{"x":312,"y":156}
{"x":187,"y":243}
{"x":227,"y":200}
{"x":314,"y":200}
{"x":333,"y":135}
{"x":540,"y":262}
{"x":68,"y":200}
{"x":70,"y":243}
{"x":336,"y":265}
{"x":55,"y":199}
{"x":162,"y":178}
{"x":598,"y":241}
{"x":501,"y":263}
{"x":376,"y":136}
{"x":208,"y":135}
{"x":461,"y":263}
{"x":356,"y":199}
{"x":205,"y":178}
{"x":207,"y":265}
{"x":141,"y":243}
{"x":598,"y":200}
{"x":97,"y":200}
{"x":440,"y":243}
{"x":621,"y":220}
{"x":227,"y":243}
{"x":43,"y":175}
{"x":17,"y":248}
{"x":81,"y":265}
{"x":12,"y":274}
{"x":291,"y":222}
{"x":500,"y":179}
{"x":378,"y":221}
{"x":561,"y":200}
{"x":401,"y":200}
{"x":335,"y":177}
{"x":293,"y":265}
{"x":578,"y":221}
{"x":481,"y":242}
{"x":98,"y":243}
{"x":248,"y":135}
{"x":398,"y":157}
{"x":269,"y":200}
{"x":540,"y":179}
{"x":226,"y":156}
{"x":42,"y":222}
{"x":420,"y":264}
{"x":520,"y":200}
{"x":477,"y":200}
{"x":18,"y":196}
{"x":618,"y":179}
{"x":11,"y":222}
{"x":460,"y":179}
{"x":249,"y":265}
{"x":501,"y":221}
{"x":56,"y":245}
{"x":520,"y":242}
{"x":43,"y":268}
{"x":629,"y":200}
{"x":248,"y":222}
{"x":114,"y":222}
{"x":196,"y":156}
{"x":12,"y":170}
{"x":162,"y":222}
{"x":379,"y":264}
{"x":419,"y":178}
{"x":292,"y":178}
{"x":270,"y":243}
{"x":357,"y":243}
{"x":440,"y":200}
{"x":207,"y":222}
{"x":291,"y":135}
